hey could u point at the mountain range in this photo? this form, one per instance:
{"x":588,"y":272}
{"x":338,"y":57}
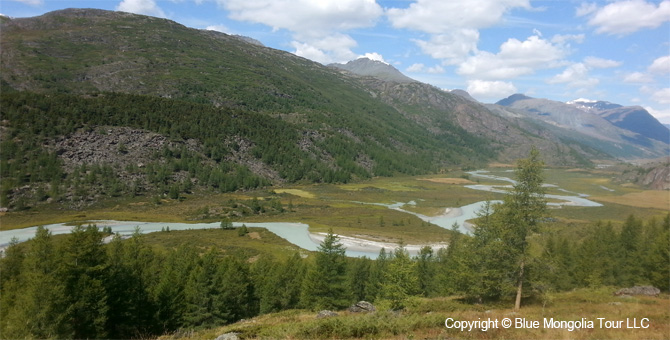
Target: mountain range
{"x":224,"y":112}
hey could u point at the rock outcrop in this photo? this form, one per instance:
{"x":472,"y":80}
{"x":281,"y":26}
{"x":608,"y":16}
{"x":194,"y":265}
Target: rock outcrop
{"x":325,"y":314}
{"x":362,"y":307}
{"x":638,"y":290}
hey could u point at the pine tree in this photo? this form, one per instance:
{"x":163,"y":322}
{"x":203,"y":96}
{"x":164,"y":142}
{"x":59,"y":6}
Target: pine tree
{"x":83,"y":269}
{"x":36,"y":304}
{"x":523,"y":211}
{"x":358,"y":276}
{"x":324,"y":286}
{"x":425,"y":271}
{"x":400,"y":279}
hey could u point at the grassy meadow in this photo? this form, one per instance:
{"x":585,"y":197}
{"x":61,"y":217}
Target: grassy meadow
{"x":349,"y":208}
{"x":425,"y":319}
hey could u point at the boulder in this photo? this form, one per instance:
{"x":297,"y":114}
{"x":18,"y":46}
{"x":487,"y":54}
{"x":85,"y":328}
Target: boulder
{"x":362,"y":306}
{"x":228,"y":336}
{"x":638,"y":290}
{"x":325,"y":314}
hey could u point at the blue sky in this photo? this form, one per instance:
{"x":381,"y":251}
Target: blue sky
{"x":618,"y":51}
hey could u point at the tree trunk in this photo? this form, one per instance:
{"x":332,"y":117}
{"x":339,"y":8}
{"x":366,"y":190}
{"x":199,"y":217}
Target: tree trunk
{"x":519,"y":288}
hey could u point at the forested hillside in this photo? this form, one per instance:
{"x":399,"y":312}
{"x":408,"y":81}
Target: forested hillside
{"x":248,"y":115}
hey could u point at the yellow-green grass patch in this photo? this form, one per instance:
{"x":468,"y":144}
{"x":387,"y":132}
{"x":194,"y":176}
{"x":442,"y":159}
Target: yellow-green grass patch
{"x":656,"y":199}
{"x":459,"y":181}
{"x":295,"y":192}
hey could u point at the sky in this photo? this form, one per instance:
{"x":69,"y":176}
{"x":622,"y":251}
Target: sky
{"x":617,"y":51}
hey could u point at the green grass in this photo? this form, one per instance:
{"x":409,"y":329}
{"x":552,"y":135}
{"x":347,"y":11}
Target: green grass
{"x":424,"y":319}
{"x":328,"y":206}
{"x":226,"y":242}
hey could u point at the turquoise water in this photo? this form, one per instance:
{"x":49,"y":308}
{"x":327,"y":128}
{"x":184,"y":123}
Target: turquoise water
{"x":298,"y":233}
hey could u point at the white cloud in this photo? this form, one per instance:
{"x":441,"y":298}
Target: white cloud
{"x":452,"y":47}
{"x":31,"y":2}
{"x":586,"y":9}
{"x":218,"y":28}
{"x":638,"y":77}
{"x":437,"y":69}
{"x":305,"y":16}
{"x":453,"y":25}
{"x":374,"y":56}
{"x":663,"y":115}
{"x":662,"y":96}
{"x":660,"y":66}
{"x":490,"y":90}
{"x":146,"y":7}
{"x":625,"y":17}
{"x":516,"y":58}
{"x":575,"y":75}
{"x":311,"y":22}
{"x":418,"y":67}
{"x":440,"y":17}
{"x":595,"y":62}
{"x":335,"y":47}
{"x":565,"y":38}
{"x":310,"y":52}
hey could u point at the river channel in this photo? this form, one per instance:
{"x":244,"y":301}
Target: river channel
{"x":298,"y":233}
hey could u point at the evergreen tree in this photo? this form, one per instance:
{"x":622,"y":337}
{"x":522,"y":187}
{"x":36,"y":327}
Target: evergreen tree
{"x":83,"y":270}
{"x":630,"y":252}
{"x":376,"y":278}
{"x":425,"y":271}
{"x":400,"y":279}
{"x":233,"y":294}
{"x":358,"y":276}
{"x":35,"y":304}
{"x":324,"y":286}
{"x":492,"y":261}
{"x":657,"y":259}
{"x":523,"y":211}
{"x":282,"y":285}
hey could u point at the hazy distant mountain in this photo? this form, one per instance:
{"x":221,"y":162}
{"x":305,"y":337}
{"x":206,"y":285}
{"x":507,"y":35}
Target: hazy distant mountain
{"x":595,"y":130}
{"x":464,"y":94}
{"x":633,"y":118}
{"x":374,"y":68}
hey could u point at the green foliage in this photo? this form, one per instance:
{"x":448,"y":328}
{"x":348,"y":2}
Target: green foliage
{"x":400,"y":280}
{"x":226,"y":224}
{"x":324,"y":286}
{"x":242,"y":231}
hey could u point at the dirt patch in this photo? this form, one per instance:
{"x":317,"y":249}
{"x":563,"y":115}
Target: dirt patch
{"x":658,"y":199}
{"x":448,"y":180}
{"x":255,"y":235}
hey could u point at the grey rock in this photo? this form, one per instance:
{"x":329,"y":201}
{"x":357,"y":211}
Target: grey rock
{"x":228,"y":336}
{"x":325,"y":314}
{"x":638,"y":290}
{"x":362,"y":306}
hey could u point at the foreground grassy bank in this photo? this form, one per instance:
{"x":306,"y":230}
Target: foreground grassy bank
{"x":425,"y":319}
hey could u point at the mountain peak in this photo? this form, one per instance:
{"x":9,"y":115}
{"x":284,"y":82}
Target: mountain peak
{"x":463,"y":94}
{"x":367,"y":67}
{"x":513,"y":98}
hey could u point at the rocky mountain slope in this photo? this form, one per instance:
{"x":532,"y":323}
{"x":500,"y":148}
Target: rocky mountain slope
{"x":632,"y":118}
{"x":374,"y":68}
{"x":587,"y":127}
